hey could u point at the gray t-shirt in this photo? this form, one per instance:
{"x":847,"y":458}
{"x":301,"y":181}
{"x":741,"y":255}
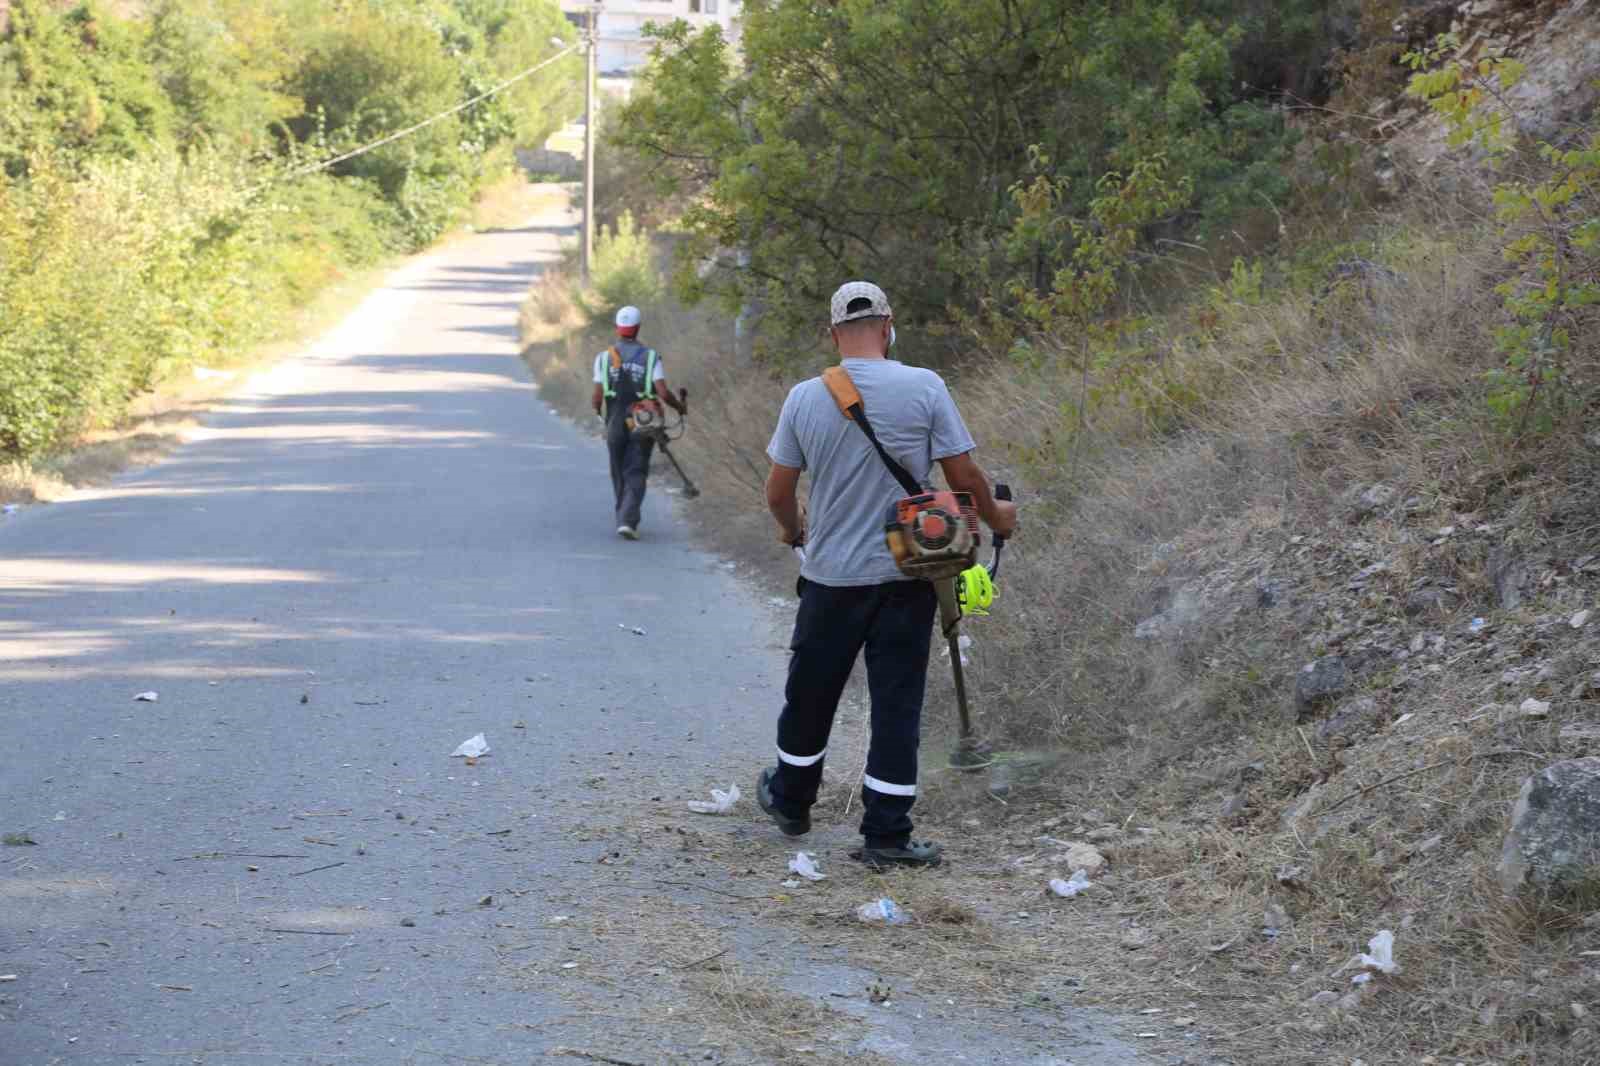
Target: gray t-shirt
{"x":851,"y":490}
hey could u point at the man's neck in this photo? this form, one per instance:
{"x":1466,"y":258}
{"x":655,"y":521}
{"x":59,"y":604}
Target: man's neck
{"x":862,"y":355}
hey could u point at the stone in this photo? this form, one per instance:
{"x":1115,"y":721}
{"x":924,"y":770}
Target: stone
{"x":1508,"y":575}
{"x":1318,"y":684}
{"x":1104,"y":835}
{"x":1085,"y":857}
{"x":1275,"y":919}
{"x":1580,"y":619}
{"x":1325,"y":998}
{"x":1554,"y":840}
{"x":1580,"y":737}
{"x":1532,"y":708}
{"x":1233,"y":806}
{"x":1431,"y":600}
{"x":1362,"y":715}
{"x":1369,"y":501}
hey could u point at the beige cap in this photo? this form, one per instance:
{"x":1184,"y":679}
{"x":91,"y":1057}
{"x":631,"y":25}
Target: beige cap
{"x":850,"y":292}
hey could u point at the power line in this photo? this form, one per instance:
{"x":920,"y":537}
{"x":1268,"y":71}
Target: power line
{"x":425,"y":123}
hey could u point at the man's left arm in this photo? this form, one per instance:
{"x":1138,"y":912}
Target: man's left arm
{"x":678,"y":403}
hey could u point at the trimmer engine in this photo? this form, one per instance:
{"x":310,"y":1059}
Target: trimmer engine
{"x":933,"y":536}
{"x":647,"y":419}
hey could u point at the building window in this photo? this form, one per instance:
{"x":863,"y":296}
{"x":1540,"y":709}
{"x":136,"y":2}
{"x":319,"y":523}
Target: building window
{"x":694,"y":7}
{"x":711,"y":7}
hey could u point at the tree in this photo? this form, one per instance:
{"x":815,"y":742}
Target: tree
{"x":882,"y":138}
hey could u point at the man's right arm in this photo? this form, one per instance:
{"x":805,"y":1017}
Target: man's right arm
{"x":963,"y":474}
{"x":783,"y":500}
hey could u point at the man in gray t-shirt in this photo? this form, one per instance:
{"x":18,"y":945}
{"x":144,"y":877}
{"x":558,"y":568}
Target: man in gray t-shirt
{"x":852,"y":596}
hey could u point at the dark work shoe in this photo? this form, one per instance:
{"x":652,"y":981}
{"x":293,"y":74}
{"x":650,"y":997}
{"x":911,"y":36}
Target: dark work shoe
{"x":911,"y":853}
{"x":790,"y":827}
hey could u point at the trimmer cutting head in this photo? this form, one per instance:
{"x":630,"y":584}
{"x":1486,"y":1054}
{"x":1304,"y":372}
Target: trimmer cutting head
{"x":971,"y":754}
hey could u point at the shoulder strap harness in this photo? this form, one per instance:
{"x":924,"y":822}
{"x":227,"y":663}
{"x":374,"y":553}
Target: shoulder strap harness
{"x":848,"y":398}
{"x":649,"y":392}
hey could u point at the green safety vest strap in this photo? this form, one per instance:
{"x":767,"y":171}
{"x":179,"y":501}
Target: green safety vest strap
{"x":649,"y":373}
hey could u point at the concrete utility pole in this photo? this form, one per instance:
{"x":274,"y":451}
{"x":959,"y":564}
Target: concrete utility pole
{"x":588,"y":137}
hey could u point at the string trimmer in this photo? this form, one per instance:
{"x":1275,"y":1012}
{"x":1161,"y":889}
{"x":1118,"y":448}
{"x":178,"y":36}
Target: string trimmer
{"x":971,"y":592}
{"x":648,"y":421}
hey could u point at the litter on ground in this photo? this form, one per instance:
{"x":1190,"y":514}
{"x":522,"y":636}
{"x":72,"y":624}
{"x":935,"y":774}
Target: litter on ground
{"x":147,"y":697}
{"x":1378,"y":956}
{"x":1079,"y":882}
{"x":472,"y":747}
{"x":805,"y":864}
{"x":883,"y":910}
{"x":721,"y":802}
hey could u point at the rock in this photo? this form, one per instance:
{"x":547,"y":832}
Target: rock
{"x":1105,"y":834}
{"x":1325,"y":998}
{"x":1366,"y":502}
{"x":1135,"y":938}
{"x":1233,"y":807}
{"x":1430,"y":845}
{"x":1532,"y":708}
{"x":1275,"y":920}
{"x":1362,"y":715}
{"x":1580,"y":737}
{"x":1292,"y":876}
{"x":1302,"y":805}
{"x":1269,"y":594}
{"x":1508,"y":574}
{"x":1318,"y":684}
{"x":1554,"y":841}
{"x":1085,"y":857}
{"x":1580,"y":619}
{"x":1431,"y":600}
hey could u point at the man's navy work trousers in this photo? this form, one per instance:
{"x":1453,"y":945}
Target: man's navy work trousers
{"x":893,"y":622}
{"x":630,"y":469}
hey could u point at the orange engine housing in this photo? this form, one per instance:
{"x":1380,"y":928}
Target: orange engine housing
{"x":646,"y":418}
{"x":934,"y":535}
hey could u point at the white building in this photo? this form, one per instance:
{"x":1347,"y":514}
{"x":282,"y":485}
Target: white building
{"x":623,"y":46}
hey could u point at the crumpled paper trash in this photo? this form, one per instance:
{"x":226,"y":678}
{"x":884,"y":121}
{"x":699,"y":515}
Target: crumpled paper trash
{"x":1378,"y":956}
{"x":1079,"y":882}
{"x":147,"y":697}
{"x":805,"y":864}
{"x":472,"y":747}
{"x":721,"y":802}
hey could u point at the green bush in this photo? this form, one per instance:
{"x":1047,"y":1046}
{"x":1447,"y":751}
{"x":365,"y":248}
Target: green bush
{"x":881,"y":138}
{"x":624,"y":269}
{"x":157,"y":207}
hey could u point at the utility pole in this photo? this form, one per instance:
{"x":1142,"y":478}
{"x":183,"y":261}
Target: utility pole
{"x":588,"y":137}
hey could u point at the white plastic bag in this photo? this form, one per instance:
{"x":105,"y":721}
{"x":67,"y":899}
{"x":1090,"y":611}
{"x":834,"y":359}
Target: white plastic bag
{"x":805,"y":864}
{"x":721,"y":802}
{"x":472,"y":747}
{"x":1067,"y":889}
{"x":1381,"y":957}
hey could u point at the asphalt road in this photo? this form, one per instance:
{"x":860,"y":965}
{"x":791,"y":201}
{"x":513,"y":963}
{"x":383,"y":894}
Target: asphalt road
{"x":368,"y":555}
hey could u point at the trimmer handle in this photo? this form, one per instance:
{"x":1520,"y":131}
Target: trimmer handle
{"x":1001,"y":492}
